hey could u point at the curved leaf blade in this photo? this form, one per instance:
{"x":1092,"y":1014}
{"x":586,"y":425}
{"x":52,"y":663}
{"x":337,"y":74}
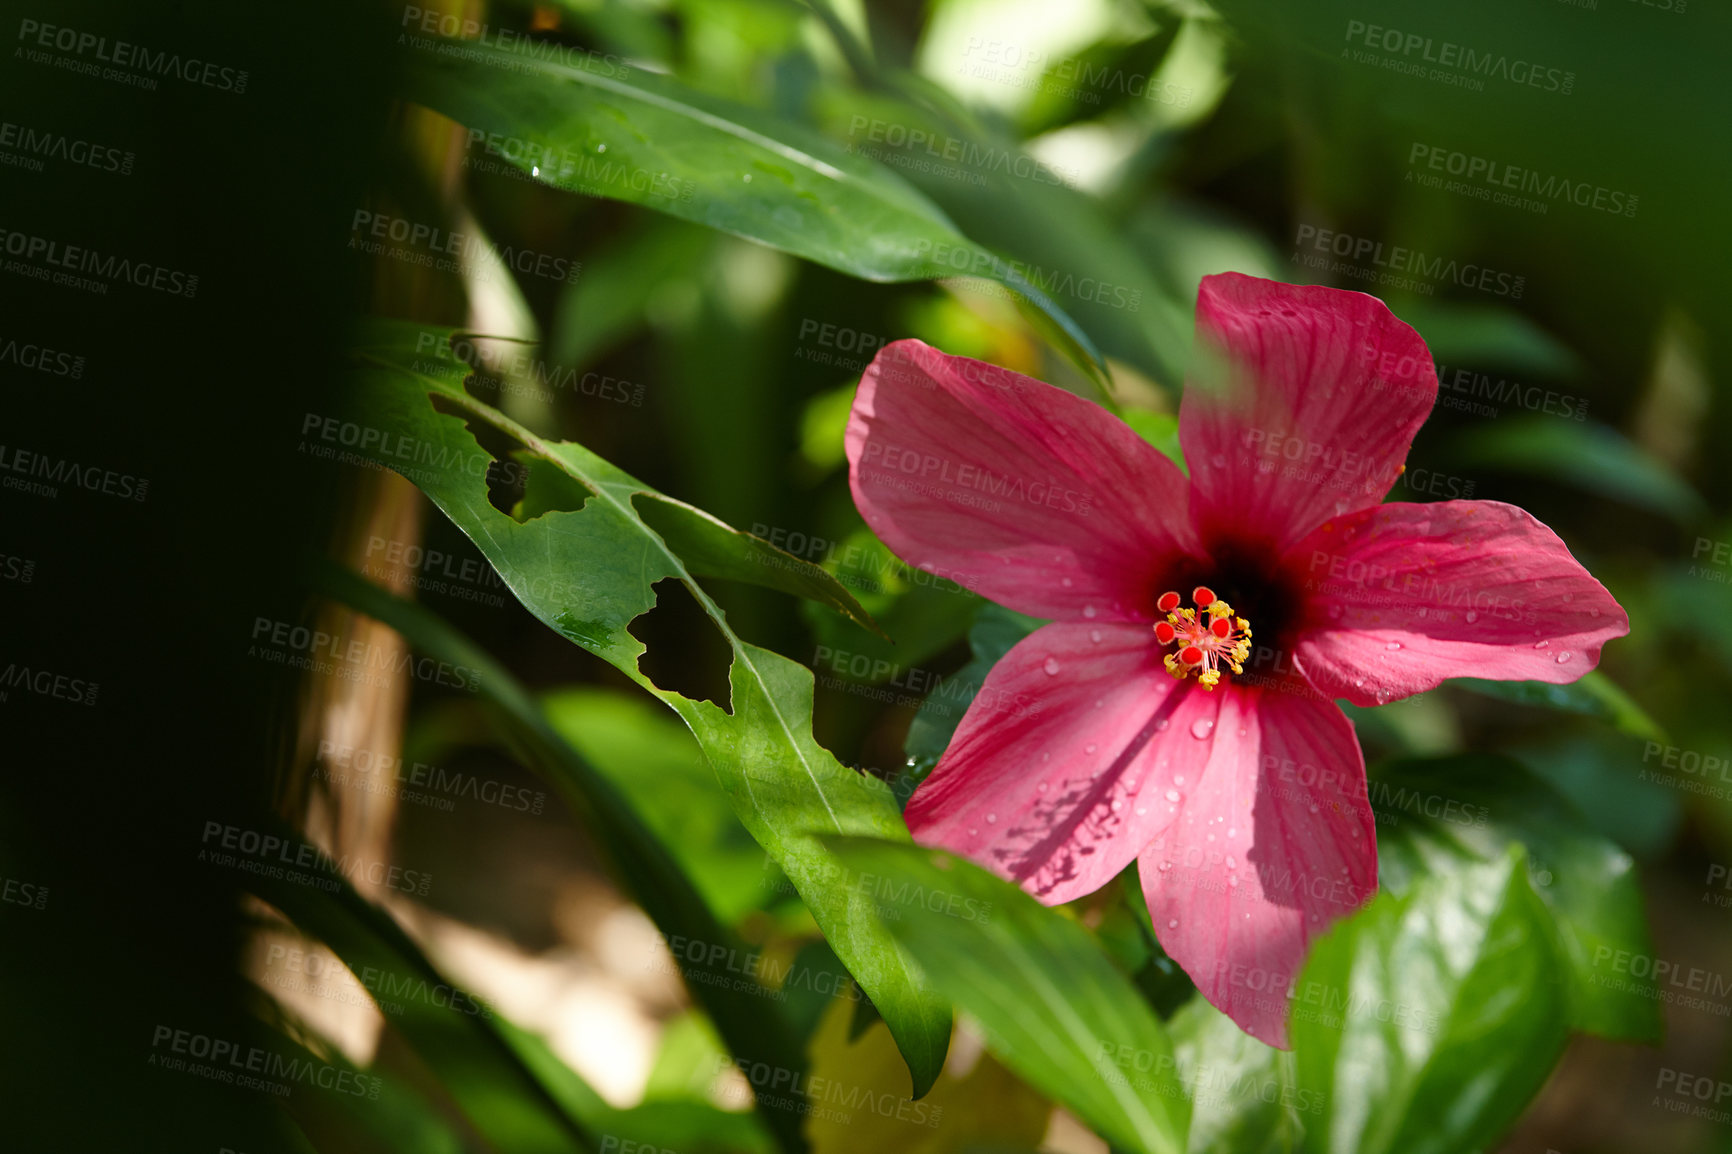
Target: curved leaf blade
{"x":1054,"y":1007}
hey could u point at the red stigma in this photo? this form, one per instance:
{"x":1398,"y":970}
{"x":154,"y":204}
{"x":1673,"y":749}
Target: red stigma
{"x":1202,"y":596}
{"x":1168,"y":602}
{"x":1165,"y":633}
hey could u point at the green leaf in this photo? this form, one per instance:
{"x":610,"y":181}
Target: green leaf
{"x":1591,"y":457}
{"x":1245,"y":1096}
{"x":995,"y":632}
{"x":1053,"y":1006}
{"x":1595,"y":695}
{"x":1426,"y":1022}
{"x":745,"y":1018}
{"x":1437,"y":814}
{"x":712,"y":548}
{"x":1160,"y":430}
{"x":457,"y":1036}
{"x":589,"y":573}
{"x":607,"y":129}
{"x":651,"y":758}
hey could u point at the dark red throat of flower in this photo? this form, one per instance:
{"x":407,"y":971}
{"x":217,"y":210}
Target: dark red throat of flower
{"x":1205,"y":638}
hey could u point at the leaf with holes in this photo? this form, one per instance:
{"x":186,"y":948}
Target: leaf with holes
{"x":589,"y":572}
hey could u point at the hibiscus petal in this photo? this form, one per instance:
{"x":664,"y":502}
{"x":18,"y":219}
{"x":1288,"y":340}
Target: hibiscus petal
{"x":1024,"y":493}
{"x":1274,"y":844}
{"x":1068,"y":761}
{"x":1304,"y":408}
{"x":1405,"y":595}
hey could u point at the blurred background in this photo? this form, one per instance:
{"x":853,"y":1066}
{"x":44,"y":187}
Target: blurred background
{"x":1535,"y":188}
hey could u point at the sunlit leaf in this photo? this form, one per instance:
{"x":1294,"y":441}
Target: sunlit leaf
{"x":1051,"y":1003}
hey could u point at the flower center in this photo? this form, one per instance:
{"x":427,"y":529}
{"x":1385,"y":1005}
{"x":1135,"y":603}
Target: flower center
{"x":1204,"y":645}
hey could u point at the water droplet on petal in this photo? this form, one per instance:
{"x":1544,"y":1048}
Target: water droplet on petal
{"x":972,"y":831}
{"x":1174,"y":795}
{"x":1593,"y":612}
{"x":1160,"y":725}
{"x":1232,"y":862}
{"x":1393,"y":646}
{"x":1313,"y":807}
{"x":1095,"y":636}
{"x":1088,"y":610}
{"x":1172,"y":923}
{"x":1232,"y":879}
{"x":1563,"y":658}
{"x":1066,"y":582}
{"x":1201,"y":728}
{"x":1089,"y":748}
{"x":1471,"y":616}
{"x":1178,"y":779}
{"x":1051,"y":666}
{"x":1541,"y":644}
{"x":1041,"y":787}
{"x":1099,"y":703}
{"x":1117,"y":805}
{"x":1165,"y":866}
{"x":1045,"y":757}
{"x":1219,"y":460}
{"x":1232,"y":831}
{"x":1359,"y":682}
{"x":1422,"y":613}
{"x":992,"y":819}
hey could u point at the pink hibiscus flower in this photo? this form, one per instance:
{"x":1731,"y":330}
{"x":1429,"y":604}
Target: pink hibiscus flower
{"x":1179,"y":709}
